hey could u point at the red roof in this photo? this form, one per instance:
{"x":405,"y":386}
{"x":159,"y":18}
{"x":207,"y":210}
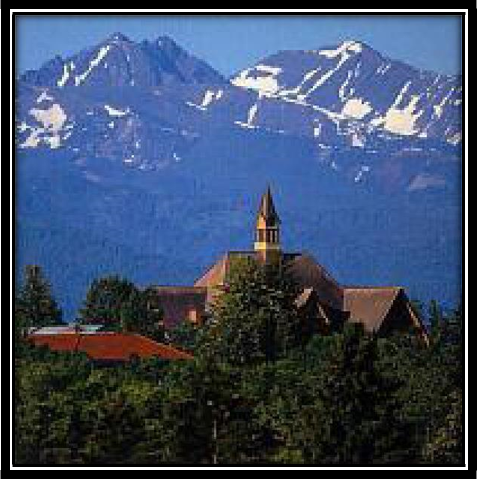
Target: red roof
{"x":109,"y":346}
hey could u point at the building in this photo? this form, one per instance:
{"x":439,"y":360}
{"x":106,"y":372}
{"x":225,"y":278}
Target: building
{"x":383,"y":310}
{"x":102,"y":346}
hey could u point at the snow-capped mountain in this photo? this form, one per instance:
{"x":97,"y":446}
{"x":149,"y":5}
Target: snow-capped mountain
{"x":146,"y":104}
{"x":125,"y":138}
{"x":353,"y":81}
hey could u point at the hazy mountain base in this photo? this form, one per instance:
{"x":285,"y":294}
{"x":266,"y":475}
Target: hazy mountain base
{"x":81,"y":218}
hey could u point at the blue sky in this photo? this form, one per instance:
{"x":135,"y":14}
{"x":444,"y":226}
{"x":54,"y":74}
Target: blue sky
{"x":230,"y":43}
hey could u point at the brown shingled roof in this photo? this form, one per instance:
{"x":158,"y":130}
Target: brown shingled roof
{"x":307,"y":273}
{"x":369,"y":305}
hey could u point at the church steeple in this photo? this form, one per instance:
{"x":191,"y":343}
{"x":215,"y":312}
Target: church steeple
{"x":267,"y":242}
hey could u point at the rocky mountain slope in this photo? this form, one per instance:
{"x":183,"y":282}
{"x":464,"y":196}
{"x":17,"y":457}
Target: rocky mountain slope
{"x":142,"y":159}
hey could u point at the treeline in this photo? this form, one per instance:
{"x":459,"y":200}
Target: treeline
{"x":262,"y":389}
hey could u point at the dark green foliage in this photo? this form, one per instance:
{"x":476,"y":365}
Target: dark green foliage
{"x":208,"y":418}
{"x":346,"y":398}
{"x":105,"y":300}
{"x":119,"y":305}
{"x":184,"y":335}
{"x":358,"y":417}
{"x":444,"y":444}
{"x":255,"y":318}
{"x":431,"y":389}
{"x":34,"y":303}
{"x":336,"y":407}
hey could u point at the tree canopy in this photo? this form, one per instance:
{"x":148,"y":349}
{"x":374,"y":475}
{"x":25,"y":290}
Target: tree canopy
{"x":118,"y":304}
{"x":35,"y":305}
{"x":253,"y":394}
{"x":255,"y":318}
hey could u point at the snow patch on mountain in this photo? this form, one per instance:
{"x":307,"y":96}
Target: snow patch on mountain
{"x":345,"y":51}
{"x":252,"y":114}
{"x":345,"y":47}
{"x":65,"y":76}
{"x":357,"y":140}
{"x":51,"y":120}
{"x":194,"y":105}
{"x":115,"y":112}
{"x":32,"y":140}
{"x":44,"y":96}
{"x":260,"y":78}
{"x":327,"y":75}
{"x":294,"y":92}
{"x":356,"y":108}
{"x":360,"y":173}
{"x":381,"y":70}
{"x":423,"y":181}
{"x":438,"y":109}
{"x":403,"y":121}
{"x":22,"y":127}
{"x":211,"y":96}
{"x":95,"y":62}
{"x":342,"y":90}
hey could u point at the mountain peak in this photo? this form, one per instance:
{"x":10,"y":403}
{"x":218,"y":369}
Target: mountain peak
{"x":347,"y":46}
{"x":165,"y":38}
{"x":352,"y":43}
{"x":118,"y":37}
{"x":166,"y":42}
{"x":119,"y":61}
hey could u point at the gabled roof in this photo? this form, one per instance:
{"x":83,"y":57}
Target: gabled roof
{"x":215,"y":275}
{"x":307,"y":273}
{"x":369,"y":305}
{"x":109,"y":346}
{"x":304,"y":269}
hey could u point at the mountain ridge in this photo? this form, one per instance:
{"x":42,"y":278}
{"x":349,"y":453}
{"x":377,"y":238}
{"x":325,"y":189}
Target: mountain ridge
{"x":162,"y":53}
{"x":127,"y":164}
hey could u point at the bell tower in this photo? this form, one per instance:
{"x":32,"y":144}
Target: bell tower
{"x":267,"y":241}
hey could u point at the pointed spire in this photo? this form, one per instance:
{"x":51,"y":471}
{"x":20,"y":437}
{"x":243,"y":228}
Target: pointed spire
{"x":267,"y":242}
{"x":268,"y":210}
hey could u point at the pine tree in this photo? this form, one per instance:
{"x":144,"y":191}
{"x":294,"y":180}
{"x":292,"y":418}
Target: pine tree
{"x":34,"y":303}
{"x":105,"y":299}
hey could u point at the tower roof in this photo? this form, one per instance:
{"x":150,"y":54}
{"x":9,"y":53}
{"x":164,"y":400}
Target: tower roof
{"x":267,"y":209}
